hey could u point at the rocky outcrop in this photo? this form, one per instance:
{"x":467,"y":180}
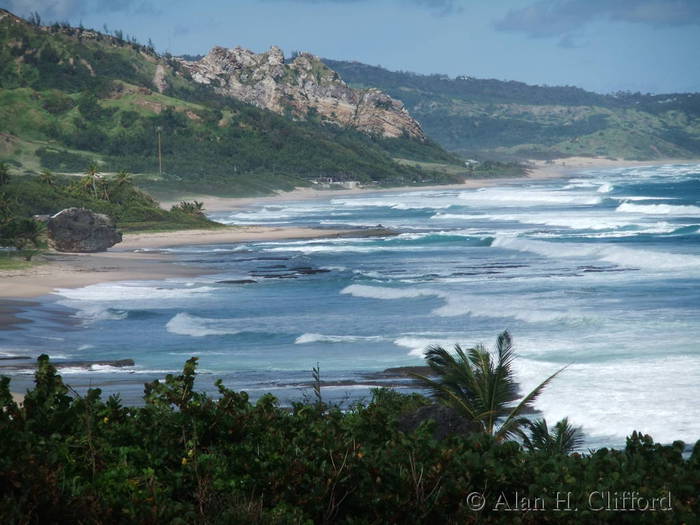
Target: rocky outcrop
{"x":80,"y":230}
{"x":304,"y":88}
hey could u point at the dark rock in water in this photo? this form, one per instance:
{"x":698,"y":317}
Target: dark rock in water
{"x":404,"y":371}
{"x":367,"y":232}
{"x":237,"y":281}
{"x":307,"y":270}
{"x":119,"y":363}
{"x":87,"y":364}
{"x":447,"y":421}
{"x":81,"y":230}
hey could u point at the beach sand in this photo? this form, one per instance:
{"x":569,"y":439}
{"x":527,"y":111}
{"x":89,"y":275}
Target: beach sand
{"x":128,"y":261}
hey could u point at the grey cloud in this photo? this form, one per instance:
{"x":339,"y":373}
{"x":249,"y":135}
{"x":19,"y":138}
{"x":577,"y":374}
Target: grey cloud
{"x":561,"y":18}
{"x":442,"y":7}
{"x":52,"y":10}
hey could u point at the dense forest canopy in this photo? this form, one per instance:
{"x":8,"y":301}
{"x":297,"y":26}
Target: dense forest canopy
{"x":508,"y":119}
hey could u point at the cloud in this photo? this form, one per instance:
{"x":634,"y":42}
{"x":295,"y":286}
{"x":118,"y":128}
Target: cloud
{"x":562,"y":18}
{"x":51,"y":10}
{"x":442,"y":7}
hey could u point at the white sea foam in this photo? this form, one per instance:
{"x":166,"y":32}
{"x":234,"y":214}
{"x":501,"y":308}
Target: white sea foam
{"x":405,"y":201}
{"x":642,"y":198}
{"x":347,"y":248}
{"x":95,"y":312}
{"x":606,"y":188}
{"x":572,"y":220}
{"x":659,"y":209}
{"x":524,"y":308}
{"x":321,"y":338}
{"x":129,"y":292}
{"x":517,"y":197}
{"x":378,"y":292}
{"x":193,"y":326}
{"x":418,"y":345}
{"x":621,"y":256}
{"x":613,"y":398}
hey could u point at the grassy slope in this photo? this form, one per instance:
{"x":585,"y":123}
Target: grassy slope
{"x":511,"y":119}
{"x":131,"y":209}
{"x":69,"y":96}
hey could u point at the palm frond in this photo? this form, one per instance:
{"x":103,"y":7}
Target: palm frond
{"x":510,"y":425}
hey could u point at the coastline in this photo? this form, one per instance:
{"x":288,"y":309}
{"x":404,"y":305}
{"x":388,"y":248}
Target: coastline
{"x":540,"y":170}
{"x":129,"y":261}
{"x":133,"y":259}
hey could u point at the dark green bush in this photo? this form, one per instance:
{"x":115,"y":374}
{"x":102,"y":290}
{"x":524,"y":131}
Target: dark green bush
{"x":185,"y":457}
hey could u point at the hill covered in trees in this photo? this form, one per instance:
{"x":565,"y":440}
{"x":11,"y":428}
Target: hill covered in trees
{"x":505,"y":120}
{"x":70,"y":96}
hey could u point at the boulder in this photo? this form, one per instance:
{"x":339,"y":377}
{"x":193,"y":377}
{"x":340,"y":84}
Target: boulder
{"x":80,"y":230}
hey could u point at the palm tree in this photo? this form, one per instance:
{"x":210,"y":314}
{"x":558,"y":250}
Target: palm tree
{"x":564,"y":439}
{"x":481,"y":389}
{"x":195,"y":208}
{"x":123,"y":178}
{"x":92,"y":174}
{"x":47,"y":177}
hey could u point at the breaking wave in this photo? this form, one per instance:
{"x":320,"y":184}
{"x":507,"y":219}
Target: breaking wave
{"x":193,"y":326}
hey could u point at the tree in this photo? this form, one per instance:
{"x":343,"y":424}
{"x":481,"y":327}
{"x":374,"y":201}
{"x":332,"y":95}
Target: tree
{"x":47,"y":178}
{"x":480,"y":389}
{"x":123,"y":178}
{"x":20,"y":233}
{"x":4,"y":174}
{"x":564,"y":439}
{"x":92,"y":175}
{"x":34,"y":18}
{"x":194,"y":208}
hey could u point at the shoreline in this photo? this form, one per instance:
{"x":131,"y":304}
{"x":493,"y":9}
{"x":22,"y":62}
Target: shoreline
{"x":540,"y":170}
{"x":133,"y":259}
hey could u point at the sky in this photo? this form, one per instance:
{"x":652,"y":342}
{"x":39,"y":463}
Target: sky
{"x":652,"y":46}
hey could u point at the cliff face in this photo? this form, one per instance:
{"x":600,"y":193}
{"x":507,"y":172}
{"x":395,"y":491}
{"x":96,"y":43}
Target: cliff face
{"x":304,"y":87}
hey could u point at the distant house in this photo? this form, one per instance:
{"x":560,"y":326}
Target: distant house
{"x":328,"y":182}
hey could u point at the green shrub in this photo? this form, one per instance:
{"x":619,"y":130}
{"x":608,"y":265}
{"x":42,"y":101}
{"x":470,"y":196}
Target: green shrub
{"x":185,"y":457}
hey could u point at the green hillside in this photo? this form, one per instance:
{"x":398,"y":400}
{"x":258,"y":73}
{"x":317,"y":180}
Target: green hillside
{"x":505,"y":120}
{"x":69,"y":96}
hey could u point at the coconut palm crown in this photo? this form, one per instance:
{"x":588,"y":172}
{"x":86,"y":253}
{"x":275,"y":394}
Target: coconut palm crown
{"x":481,"y":386}
{"x":562,"y":438}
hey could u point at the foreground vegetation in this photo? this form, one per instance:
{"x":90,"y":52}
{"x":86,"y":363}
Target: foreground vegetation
{"x":511,"y":120}
{"x":185,"y":457}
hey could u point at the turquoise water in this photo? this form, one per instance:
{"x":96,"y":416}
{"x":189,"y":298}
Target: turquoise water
{"x":600,"y":271}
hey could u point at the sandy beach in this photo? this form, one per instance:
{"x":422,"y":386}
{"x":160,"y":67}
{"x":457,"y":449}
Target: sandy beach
{"x":131,"y":260}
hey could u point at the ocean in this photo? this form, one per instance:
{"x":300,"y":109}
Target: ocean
{"x":599,"y":271}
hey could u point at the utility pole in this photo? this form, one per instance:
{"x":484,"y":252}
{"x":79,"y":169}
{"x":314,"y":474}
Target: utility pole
{"x":160,"y":155}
